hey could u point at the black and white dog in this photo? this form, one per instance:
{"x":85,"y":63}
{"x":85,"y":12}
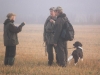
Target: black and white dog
{"x":76,"y":54}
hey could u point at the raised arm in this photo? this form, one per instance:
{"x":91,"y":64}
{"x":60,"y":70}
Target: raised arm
{"x":16,"y":29}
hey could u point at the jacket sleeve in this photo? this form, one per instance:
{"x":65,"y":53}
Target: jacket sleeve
{"x":14,"y":28}
{"x":44,"y":34}
{"x":58,"y":29}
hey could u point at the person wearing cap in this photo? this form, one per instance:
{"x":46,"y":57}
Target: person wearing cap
{"x":59,"y":43}
{"x":48,"y":35}
{"x":11,"y":38}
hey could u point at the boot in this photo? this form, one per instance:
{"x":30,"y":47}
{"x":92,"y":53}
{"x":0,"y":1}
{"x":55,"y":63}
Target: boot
{"x":50,"y":63}
{"x":11,"y":61}
{"x":6,"y":61}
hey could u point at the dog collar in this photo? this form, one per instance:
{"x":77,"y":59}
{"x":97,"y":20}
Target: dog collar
{"x":80,"y":47}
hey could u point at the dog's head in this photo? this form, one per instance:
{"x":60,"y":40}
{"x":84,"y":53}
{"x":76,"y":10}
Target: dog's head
{"x":77,"y":44}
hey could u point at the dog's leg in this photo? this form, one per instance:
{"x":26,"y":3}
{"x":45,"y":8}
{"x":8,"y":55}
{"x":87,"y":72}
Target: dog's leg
{"x":76,"y":59}
{"x":81,"y":59}
{"x":70,"y":58}
{"x":75,"y":64}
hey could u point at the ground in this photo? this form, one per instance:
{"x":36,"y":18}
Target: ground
{"x":31,"y":59}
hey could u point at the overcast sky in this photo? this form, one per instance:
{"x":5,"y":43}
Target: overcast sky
{"x":26,"y":10}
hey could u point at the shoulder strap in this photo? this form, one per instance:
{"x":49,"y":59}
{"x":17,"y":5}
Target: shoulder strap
{"x":64,"y":23}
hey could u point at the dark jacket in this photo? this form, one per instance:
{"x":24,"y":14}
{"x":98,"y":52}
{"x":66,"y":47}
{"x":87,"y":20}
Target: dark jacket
{"x":58,"y":27}
{"x":10,"y":33}
{"x":49,"y":30}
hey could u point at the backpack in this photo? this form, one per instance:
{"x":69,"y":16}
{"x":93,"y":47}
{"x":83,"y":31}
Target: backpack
{"x":67,"y":33}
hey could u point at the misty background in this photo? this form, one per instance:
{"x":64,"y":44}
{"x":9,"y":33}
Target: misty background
{"x":37,"y":11}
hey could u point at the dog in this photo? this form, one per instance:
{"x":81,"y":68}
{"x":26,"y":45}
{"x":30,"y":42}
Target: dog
{"x":76,"y":54}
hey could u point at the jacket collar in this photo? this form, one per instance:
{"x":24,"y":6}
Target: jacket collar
{"x":62,"y":15}
{"x":8,"y":21}
{"x":50,"y":17}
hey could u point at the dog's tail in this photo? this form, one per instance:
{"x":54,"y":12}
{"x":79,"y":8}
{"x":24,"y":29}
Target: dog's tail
{"x":70,"y":58}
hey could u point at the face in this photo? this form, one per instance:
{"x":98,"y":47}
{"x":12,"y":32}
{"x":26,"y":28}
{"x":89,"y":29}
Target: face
{"x":13,"y":18}
{"x":52,"y":13}
{"x":56,"y":13}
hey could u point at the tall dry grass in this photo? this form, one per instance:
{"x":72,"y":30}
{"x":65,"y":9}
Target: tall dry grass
{"x":31,"y":59}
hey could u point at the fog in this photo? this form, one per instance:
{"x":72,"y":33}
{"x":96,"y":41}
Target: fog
{"x":36,"y":11}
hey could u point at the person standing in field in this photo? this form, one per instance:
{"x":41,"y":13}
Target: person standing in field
{"x":11,"y":38}
{"x":49,"y":35}
{"x":59,"y":43}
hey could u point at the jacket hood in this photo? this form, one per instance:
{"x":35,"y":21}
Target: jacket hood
{"x":62,"y":15}
{"x":8,"y":21}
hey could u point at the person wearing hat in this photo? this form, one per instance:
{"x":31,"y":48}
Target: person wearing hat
{"x":48,"y":35}
{"x":59,"y":43}
{"x":11,"y":38}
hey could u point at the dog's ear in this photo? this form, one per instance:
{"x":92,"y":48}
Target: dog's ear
{"x":74,"y":44}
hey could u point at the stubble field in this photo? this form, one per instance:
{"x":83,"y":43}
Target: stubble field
{"x":31,"y":59}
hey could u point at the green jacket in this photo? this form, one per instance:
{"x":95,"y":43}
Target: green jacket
{"x":10,"y":33}
{"x":49,"y":30}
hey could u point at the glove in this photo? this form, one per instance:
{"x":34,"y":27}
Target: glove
{"x":22,"y":24}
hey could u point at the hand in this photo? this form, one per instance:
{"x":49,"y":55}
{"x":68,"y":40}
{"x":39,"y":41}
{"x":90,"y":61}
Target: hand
{"x":23,"y":23}
{"x":51,"y":20}
{"x":55,"y":45}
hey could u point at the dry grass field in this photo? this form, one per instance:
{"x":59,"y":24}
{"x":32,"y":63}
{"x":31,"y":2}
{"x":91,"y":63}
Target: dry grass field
{"x":31,"y":59}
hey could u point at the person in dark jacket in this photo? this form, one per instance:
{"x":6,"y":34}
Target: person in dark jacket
{"x":59,"y":43}
{"x":11,"y":38}
{"x":49,"y":35}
